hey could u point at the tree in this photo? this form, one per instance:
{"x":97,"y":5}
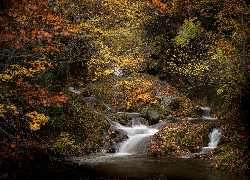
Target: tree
{"x":42,"y":44}
{"x":115,"y":32}
{"x":209,"y":47}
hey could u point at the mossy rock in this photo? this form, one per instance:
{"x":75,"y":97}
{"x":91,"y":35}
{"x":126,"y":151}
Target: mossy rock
{"x":151,"y":115}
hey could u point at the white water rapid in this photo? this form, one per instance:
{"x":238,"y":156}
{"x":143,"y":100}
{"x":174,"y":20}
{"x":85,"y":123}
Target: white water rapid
{"x":214,"y":138}
{"x":137,"y":134}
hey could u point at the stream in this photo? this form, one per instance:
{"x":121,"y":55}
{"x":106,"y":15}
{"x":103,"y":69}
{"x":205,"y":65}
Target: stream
{"x":146,"y":167}
{"x":130,"y":161}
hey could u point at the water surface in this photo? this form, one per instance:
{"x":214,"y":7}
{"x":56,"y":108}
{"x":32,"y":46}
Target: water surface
{"x":144,"y":167}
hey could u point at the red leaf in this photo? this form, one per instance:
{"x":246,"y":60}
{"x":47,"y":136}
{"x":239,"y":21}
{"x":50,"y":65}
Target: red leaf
{"x":31,"y":102}
{"x":58,"y":50}
{"x":19,"y":82}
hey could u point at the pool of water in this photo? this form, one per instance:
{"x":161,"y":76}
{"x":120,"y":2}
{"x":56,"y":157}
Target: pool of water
{"x":143,"y":167}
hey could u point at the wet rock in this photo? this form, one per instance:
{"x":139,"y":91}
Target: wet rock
{"x":151,"y":115}
{"x":112,"y":144}
{"x":144,"y":113}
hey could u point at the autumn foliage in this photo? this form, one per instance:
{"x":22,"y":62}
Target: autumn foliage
{"x":45,"y":45}
{"x":203,"y":48}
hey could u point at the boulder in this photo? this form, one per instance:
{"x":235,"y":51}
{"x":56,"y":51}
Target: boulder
{"x":144,"y":113}
{"x":151,"y":115}
{"x":168,"y":102}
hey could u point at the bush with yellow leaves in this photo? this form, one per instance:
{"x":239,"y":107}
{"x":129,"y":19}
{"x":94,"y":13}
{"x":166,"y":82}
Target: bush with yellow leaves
{"x":37,"y":120}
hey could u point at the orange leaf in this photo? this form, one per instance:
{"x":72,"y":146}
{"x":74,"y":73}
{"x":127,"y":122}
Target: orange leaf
{"x":58,"y":104}
{"x":65,"y":33}
{"x":73,"y":30}
{"x":46,"y":34}
{"x":31,"y":102}
{"x":13,"y":145}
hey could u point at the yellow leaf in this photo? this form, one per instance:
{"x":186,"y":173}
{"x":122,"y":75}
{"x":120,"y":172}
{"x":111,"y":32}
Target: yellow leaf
{"x":155,"y":101}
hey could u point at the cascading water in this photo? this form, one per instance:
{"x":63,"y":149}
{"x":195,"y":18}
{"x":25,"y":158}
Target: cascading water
{"x":205,"y":116}
{"x":206,"y":113}
{"x":136,"y":134}
{"x":139,"y":134}
{"x":214,"y":138}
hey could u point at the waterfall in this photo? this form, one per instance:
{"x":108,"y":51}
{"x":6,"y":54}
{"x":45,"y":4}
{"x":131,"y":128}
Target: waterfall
{"x":206,"y":113}
{"x":137,"y":137}
{"x":214,"y":138}
{"x":205,"y":116}
{"x":138,"y":134}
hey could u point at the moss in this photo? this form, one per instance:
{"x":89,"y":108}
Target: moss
{"x":180,"y":134}
{"x":168,"y":149}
